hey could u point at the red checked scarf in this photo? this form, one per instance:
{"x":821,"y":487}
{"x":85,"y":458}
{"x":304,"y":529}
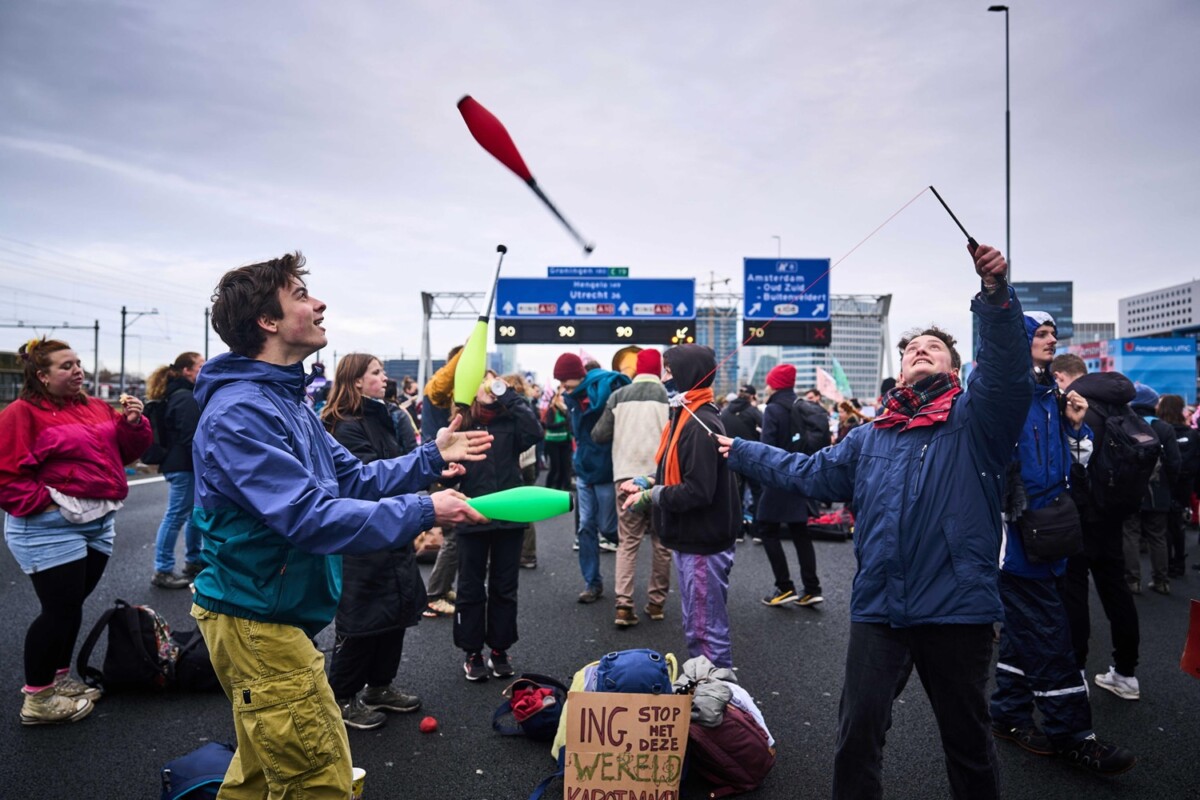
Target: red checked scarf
{"x":672,"y":474}
{"x":906,"y":401}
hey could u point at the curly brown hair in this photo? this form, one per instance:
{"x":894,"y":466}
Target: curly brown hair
{"x":247,"y":294}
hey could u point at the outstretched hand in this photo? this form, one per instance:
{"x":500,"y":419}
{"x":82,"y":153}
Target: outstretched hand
{"x":450,"y":508}
{"x":724,"y":445}
{"x":989,"y":264}
{"x":462,"y":446}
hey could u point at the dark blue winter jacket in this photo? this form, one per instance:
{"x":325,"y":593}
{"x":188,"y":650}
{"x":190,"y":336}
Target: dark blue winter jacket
{"x":928,"y":528}
{"x":277,"y":496}
{"x":593,"y":461}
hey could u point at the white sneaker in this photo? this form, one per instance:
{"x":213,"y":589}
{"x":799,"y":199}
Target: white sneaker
{"x":1118,"y":684}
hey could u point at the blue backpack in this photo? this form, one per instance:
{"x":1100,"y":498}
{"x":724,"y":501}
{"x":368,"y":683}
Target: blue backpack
{"x":640,"y":671}
{"x":198,"y":775}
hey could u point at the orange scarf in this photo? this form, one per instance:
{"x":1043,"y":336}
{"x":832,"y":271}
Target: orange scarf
{"x":672,"y":474}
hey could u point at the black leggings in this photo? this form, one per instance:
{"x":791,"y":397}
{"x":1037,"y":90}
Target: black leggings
{"x":50,"y":640}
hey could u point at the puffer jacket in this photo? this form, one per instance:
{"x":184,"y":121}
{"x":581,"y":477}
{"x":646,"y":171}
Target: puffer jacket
{"x":79,"y":449}
{"x":593,"y":460}
{"x":277,"y":497}
{"x":928,"y":493}
{"x":632,"y":420}
{"x":381,"y":591}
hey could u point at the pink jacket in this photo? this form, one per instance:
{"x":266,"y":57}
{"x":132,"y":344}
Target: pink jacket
{"x":80,"y":450}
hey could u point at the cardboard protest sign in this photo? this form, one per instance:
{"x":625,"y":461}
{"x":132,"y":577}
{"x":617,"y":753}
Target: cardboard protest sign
{"x":1190,"y":663}
{"x":625,"y":746}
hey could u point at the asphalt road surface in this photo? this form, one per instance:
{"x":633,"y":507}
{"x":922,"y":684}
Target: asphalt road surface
{"x":789,"y":658}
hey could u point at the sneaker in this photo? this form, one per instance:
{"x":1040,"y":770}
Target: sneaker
{"x":1029,"y":738}
{"x":191,"y":569}
{"x":358,"y":715}
{"x":47,"y":707}
{"x":1118,"y":684}
{"x":386,"y":698}
{"x":440,"y":607}
{"x":67,"y":686}
{"x":607,"y":545}
{"x":1162,"y":586}
{"x":591,"y":594}
{"x":626,"y":617}
{"x":474,"y":667}
{"x":575,"y":546}
{"x":654,"y":611}
{"x":779,"y":598}
{"x":809,"y":600}
{"x":169,"y":580}
{"x":1135,"y":587}
{"x":528,"y":563}
{"x":499,"y":665}
{"x":1094,"y":755}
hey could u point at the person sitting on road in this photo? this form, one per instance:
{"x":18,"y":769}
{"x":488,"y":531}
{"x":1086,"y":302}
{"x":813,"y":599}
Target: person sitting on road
{"x":277,"y":500}
{"x":926,"y":477}
{"x":62,"y":480}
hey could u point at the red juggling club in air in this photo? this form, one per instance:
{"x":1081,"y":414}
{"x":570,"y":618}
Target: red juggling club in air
{"x":492,"y":136}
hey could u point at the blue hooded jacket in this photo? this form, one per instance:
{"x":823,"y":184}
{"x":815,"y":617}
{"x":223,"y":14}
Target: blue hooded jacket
{"x":927,"y":532}
{"x":277,"y":497}
{"x":593,"y":461}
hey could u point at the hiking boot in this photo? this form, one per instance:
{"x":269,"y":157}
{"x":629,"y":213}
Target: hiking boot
{"x":626,"y":618}
{"x":474,"y":667}
{"x":591,"y":594}
{"x":1120,"y":685}
{"x":386,"y":698}
{"x":528,"y":563}
{"x":191,"y":569}
{"x":499,"y":665}
{"x":654,"y":611}
{"x":1135,"y":587}
{"x":779,"y":598}
{"x":1027,"y":737}
{"x":67,"y":686}
{"x":47,"y":707}
{"x":440,"y":607}
{"x":1093,"y":755}
{"x":357,"y":714}
{"x":169,"y":580}
{"x":809,"y":599}
{"x":1162,"y":586}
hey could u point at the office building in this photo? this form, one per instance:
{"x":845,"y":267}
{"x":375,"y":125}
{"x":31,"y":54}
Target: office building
{"x":1162,"y":312}
{"x":859,"y":330}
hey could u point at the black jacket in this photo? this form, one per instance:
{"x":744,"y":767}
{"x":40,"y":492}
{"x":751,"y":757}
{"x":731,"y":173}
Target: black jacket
{"x":182,"y":417}
{"x":700,"y":515}
{"x":514,"y":430}
{"x":778,"y":505}
{"x":741,"y":420}
{"x":1105,"y":392}
{"x":1158,"y":493}
{"x":380,"y":591}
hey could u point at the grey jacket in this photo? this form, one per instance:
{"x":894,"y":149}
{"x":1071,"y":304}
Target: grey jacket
{"x":633,"y":420}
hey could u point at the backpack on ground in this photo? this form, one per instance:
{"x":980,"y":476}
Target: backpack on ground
{"x":810,"y":427}
{"x":197,"y":775}
{"x":142,"y":653}
{"x":535,"y":703}
{"x":640,"y":671}
{"x":734,"y":756}
{"x":1122,"y":462}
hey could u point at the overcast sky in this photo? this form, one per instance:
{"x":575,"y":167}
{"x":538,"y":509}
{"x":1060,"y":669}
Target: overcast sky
{"x":146,"y":147}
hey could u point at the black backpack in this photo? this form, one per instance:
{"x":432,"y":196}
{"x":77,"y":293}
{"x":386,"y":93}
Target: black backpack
{"x":810,"y":429}
{"x":1123,"y":461}
{"x":156,"y":412}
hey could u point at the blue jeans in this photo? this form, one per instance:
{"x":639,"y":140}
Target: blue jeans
{"x":597,"y":512}
{"x":953,"y":662}
{"x":180,"y":499}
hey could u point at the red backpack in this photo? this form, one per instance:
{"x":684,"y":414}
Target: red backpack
{"x":734,"y":756}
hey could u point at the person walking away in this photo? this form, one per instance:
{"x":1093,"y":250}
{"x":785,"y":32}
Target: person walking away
{"x":926,"y":477}
{"x":557,"y":423}
{"x":175,"y":384}
{"x":382,"y":592}
{"x":1170,"y":411}
{"x":489,"y":552}
{"x":278,"y":500}
{"x":693,"y":501}
{"x":743,"y":420}
{"x":633,"y":421}
{"x":1150,"y":522}
{"x":585,"y":394}
{"x":62,"y":480}
{"x":780,"y":512}
{"x":1103,"y":554}
{"x":1036,"y":665}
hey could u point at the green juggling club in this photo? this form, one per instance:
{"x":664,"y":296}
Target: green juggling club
{"x":472,"y":363}
{"x":523,"y":504}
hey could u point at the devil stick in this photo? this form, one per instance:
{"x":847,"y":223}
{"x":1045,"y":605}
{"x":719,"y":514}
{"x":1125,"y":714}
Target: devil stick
{"x":493,"y":137}
{"x":970,"y":239}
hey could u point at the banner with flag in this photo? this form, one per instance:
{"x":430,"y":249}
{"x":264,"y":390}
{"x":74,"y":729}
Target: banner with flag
{"x":843,"y":383}
{"x":828,"y":387}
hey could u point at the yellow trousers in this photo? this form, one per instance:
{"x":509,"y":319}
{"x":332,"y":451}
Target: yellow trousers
{"x":291,"y":742}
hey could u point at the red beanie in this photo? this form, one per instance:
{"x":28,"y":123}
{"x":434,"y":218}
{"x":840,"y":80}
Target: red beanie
{"x":569,"y":367}
{"x":649,"y":362}
{"x":782,"y":377}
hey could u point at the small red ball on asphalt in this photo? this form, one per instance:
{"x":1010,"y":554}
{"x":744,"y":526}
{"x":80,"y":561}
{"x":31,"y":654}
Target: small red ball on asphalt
{"x":428,"y":725}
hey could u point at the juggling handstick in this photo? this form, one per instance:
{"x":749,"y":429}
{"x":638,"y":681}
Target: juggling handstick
{"x":493,"y":137}
{"x":523,"y":504}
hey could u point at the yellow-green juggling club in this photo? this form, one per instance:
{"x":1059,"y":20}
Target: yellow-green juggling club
{"x":523,"y":504}
{"x":472,"y":363}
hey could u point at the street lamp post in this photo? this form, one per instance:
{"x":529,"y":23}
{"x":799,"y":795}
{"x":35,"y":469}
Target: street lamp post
{"x":1007,"y":150}
{"x":778,"y":245}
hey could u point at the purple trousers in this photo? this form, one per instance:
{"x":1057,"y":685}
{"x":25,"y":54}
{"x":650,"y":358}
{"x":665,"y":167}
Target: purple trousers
{"x":703,"y":591}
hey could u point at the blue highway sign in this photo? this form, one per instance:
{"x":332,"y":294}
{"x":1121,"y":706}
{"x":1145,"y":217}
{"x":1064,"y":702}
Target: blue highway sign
{"x":615,"y":298}
{"x":587,"y":272}
{"x":795,"y":289}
